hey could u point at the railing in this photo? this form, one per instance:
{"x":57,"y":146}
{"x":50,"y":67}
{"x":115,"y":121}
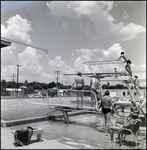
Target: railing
{"x":74,"y":90}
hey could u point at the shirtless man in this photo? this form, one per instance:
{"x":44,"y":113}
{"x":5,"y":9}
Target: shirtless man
{"x":106,"y":104}
{"x":128,"y":63}
{"x":96,"y":87}
{"x":79,"y":87}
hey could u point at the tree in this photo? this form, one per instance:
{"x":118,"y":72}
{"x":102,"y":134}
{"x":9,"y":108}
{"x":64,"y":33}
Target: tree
{"x":3,"y":83}
{"x":52,"y":84}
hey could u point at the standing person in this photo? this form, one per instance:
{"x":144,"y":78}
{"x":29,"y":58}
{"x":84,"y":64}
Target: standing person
{"x":136,"y":85}
{"x":106,"y":104}
{"x":128,"y":63}
{"x":116,"y":76}
{"x":79,"y":80}
{"x":95,"y":86}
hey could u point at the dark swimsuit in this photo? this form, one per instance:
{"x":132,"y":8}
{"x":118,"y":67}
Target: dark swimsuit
{"x":106,"y":110}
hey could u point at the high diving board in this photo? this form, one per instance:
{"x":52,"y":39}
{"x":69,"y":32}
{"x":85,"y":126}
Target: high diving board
{"x":107,"y":73}
{"x":103,"y":62}
{"x":121,"y":80}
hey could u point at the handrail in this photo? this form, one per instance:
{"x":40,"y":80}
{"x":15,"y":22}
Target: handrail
{"x":74,"y":90}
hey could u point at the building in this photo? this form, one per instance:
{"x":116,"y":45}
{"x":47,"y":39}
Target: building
{"x":13,"y":91}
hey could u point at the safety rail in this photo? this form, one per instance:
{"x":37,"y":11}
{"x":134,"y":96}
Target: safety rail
{"x":95,"y":102}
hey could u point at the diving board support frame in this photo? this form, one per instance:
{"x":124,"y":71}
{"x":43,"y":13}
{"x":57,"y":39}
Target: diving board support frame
{"x":65,"y":115}
{"x":65,"y":109}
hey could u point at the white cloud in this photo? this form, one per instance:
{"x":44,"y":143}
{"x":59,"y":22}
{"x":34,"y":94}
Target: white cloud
{"x":59,"y":64}
{"x":85,"y":51}
{"x":99,"y":22}
{"x":113,"y":52}
{"x":29,"y":60}
{"x":6,"y":54}
{"x":86,"y":55}
{"x":59,"y":8}
{"x":82,"y":7}
{"x":131,"y":30}
{"x":17,"y":29}
{"x":31,"y":68}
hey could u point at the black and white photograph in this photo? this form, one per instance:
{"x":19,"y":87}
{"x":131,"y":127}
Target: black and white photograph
{"x":73,"y":75}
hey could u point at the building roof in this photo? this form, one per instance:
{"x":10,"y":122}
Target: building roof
{"x":5,"y":43}
{"x":13,"y":89}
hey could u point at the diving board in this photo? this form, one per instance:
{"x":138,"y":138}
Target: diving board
{"x":71,"y":107}
{"x":107,"y":73}
{"x":68,"y":108}
{"x":103,"y":62}
{"x":122,"y":80}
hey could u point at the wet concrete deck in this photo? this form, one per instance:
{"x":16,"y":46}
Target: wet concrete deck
{"x":81,"y":133}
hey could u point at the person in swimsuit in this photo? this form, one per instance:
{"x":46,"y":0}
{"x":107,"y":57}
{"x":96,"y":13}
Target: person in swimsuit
{"x":79,"y":81}
{"x":96,"y":87}
{"x":128,"y":63}
{"x":106,"y":104}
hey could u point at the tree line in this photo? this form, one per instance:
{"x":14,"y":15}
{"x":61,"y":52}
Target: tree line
{"x":38,"y":85}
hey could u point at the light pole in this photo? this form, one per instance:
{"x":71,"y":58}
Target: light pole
{"x":17,"y":76}
{"x":58,"y":72}
{"x":13,"y":77}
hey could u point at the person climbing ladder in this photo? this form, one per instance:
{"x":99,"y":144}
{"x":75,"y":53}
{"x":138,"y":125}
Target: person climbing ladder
{"x":128,"y":63}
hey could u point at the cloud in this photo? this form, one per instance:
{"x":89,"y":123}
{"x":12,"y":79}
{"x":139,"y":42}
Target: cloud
{"x":59,"y":64}
{"x":7,"y":53}
{"x":17,"y":29}
{"x":84,"y":51}
{"x":112,"y":53}
{"x":131,"y":30}
{"x":87,"y":55}
{"x":29,"y":60}
{"x":95,"y":20}
{"x":31,"y":67}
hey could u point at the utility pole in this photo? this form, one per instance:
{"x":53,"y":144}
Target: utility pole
{"x":17,"y":76}
{"x":58,"y":72}
{"x":13,"y":77}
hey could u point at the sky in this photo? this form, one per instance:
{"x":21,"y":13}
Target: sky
{"x":65,"y":35}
